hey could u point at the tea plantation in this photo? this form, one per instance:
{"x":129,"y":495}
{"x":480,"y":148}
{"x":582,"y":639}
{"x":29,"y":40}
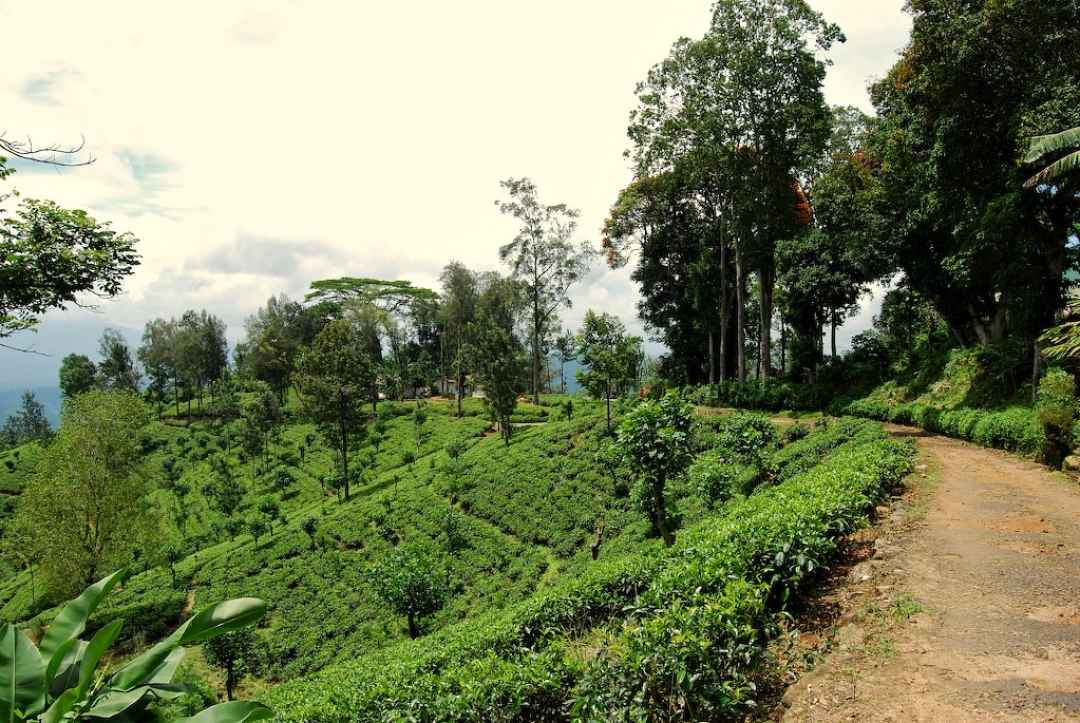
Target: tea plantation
{"x":556,"y":600}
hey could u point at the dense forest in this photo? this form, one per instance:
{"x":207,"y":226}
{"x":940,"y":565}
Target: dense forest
{"x":407,"y":514}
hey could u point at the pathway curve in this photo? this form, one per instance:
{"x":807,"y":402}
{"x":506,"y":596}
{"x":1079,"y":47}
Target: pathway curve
{"x":993,"y":557}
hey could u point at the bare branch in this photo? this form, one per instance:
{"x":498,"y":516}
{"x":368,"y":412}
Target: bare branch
{"x":21,"y":350}
{"x":51,"y":155}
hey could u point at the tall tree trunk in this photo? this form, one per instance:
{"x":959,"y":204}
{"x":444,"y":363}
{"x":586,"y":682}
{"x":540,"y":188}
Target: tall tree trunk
{"x":723,"y":309}
{"x":783,"y":346}
{"x":414,"y":632}
{"x":536,"y":349}
{"x":832,"y":332}
{"x":712,"y":358}
{"x":767,"y":282}
{"x":661,"y":514}
{"x":343,"y":427}
{"x":740,"y":311}
{"x":460,"y":393}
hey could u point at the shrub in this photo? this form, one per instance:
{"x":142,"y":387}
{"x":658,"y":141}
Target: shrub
{"x":1056,"y":406}
{"x":716,"y":480}
{"x":795,"y":432}
{"x":747,"y":439}
{"x":655,"y":440}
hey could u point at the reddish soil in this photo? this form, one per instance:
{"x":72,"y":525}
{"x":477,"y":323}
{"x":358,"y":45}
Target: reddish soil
{"x":962,"y":604}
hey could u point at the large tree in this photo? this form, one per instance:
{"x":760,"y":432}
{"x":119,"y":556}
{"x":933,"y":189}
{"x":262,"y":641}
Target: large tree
{"x":497,"y":353}
{"x":89,"y":496}
{"x":724,"y":129}
{"x":955,"y":113}
{"x":51,"y":257}
{"x":609,"y":357}
{"x":77,"y":375}
{"x":545,"y":258}
{"x":336,"y":376}
{"x":117,"y":369}
{"x":158,"y":354}
{"x":276,"y":333}
{"x":28,"y":424}
{"x":460,"y":296}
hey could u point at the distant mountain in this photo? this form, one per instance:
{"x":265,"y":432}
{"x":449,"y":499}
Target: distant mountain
{"x":11,"y":398}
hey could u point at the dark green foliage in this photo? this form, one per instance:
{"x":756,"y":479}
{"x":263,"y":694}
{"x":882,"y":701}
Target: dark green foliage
{"x":413,"y":582}
{"x":715,"y":479}
{"x":1015,"y":429}
{"x":1056,"y":406}
{"x":77,"y":375}
{"x":747,"y":439}
{"x":771,"y":395}
{"x":655,"y":440}
{"x":236,"y":654}
{"x":310,"y":526}
{"x":51,"y":256}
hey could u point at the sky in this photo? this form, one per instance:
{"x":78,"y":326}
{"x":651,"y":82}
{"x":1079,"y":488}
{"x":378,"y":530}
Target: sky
{"x":255,"y":147}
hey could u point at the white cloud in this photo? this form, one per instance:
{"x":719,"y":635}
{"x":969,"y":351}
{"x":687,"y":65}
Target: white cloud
{"x":375,"y":133}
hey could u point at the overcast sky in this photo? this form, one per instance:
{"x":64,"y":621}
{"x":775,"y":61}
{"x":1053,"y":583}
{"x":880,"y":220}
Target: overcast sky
{"x":254,"y":149}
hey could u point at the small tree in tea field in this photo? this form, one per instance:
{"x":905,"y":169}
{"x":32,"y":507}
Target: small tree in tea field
{"x":413,"y":583}
{"x":655,"y":440}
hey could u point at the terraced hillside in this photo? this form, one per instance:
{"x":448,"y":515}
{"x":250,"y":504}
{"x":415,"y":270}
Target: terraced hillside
{"x":554,"y":583}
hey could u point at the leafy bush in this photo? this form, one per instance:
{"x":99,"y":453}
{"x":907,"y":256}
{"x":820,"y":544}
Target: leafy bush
{"x":794,"y":433}
{"x":748,"y":438}
{"x":1056,"y":407}
{"x":1015,"y":429}
{"x":716,"y":480}
{"x":771,"y":395}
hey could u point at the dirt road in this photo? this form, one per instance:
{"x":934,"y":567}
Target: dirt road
{"x":967,"y":607}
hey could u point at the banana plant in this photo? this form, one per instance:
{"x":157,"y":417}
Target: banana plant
{"x":59,"y":680}
{"x":1041,"y":146}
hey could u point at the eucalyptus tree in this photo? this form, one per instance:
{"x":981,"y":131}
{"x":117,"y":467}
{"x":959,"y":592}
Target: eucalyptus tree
{"x":262,"y":417}
{"x":609,"y":357}
{"x":544,"y":258}
{"x":27,"y":424}
{"x":460,"y":296}
{"x":497,"y":353}
{"x":775,"y":78}
{"x":337,"y":375}
{"x":727,"y":123}
{"x":276,"y":334}
{"x":158,"y":356}
{"x":117,"y":369}
{"x":566,"y":348}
